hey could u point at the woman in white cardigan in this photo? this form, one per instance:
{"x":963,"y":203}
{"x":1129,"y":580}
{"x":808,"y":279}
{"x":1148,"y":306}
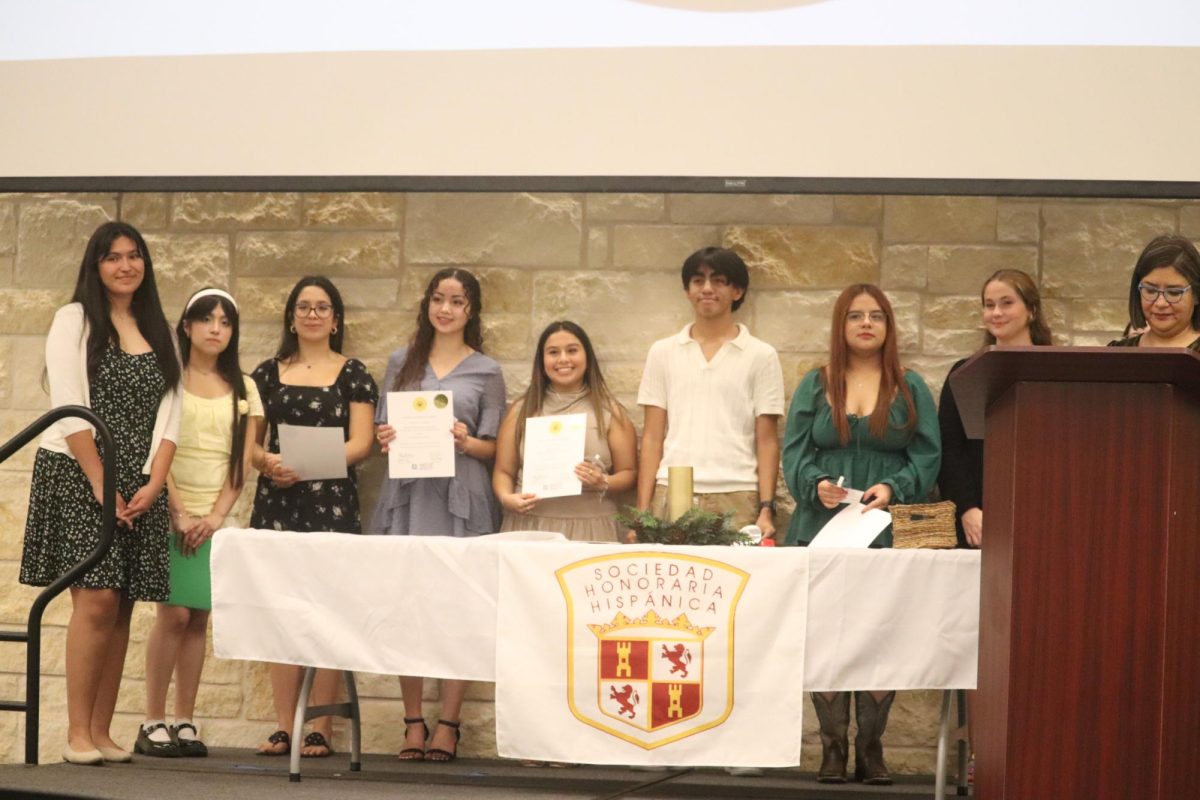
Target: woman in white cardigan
{"x":110,"y":349}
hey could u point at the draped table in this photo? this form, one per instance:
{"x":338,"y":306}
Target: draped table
{"x":499,"y":608}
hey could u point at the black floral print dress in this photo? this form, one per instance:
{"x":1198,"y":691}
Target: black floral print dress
{"x":63,"y":524}
{"x":329,"y":505}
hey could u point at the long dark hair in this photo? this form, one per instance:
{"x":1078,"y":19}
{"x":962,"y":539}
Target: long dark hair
{"x":593,"y":381}
{"x":891,"y":380}
{"x":289,"y":344}
{"x":421,"y":343}
{"x":228,"y":367}
{"x":145,"y":305}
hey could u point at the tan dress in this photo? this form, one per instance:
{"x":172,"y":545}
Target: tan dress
{"x":588,"y":517}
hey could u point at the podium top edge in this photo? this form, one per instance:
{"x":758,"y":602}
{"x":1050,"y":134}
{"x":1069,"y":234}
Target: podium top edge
{"x":988,"y":373}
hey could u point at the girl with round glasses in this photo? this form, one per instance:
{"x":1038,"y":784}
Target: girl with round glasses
{"x":866,"y":422}
{"x":310,"y":383}
{"x":1162,"y":296}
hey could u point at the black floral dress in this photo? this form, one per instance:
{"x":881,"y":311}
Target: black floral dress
{"x":328,"y":505}
{"x":63,"y":524}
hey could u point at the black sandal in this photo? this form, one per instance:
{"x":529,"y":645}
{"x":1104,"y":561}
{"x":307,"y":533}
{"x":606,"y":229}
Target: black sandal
{"x":414,"y":753}
{"x":278,"y":737}
{"x":317,"y":739}
{"x":444,"y":756}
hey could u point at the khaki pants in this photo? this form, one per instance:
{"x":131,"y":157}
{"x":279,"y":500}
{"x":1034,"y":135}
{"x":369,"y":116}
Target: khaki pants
{"x":743,"y":505}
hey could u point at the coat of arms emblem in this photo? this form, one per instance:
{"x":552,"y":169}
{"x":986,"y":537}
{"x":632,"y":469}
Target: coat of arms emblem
{"x":650,"y":643}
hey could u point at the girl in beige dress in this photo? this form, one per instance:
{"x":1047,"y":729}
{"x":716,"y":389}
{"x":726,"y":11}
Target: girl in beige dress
{"x":567,"y":380}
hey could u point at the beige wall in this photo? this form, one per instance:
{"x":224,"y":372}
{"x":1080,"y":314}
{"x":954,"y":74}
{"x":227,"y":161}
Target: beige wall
{"x":608,"y":261}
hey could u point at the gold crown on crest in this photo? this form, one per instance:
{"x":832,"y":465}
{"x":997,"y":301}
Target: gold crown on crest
{"x":651,"y":620}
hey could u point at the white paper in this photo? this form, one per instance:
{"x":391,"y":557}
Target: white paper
{"x":424,"y":445}
{"x":553,"y":446}
{"x":315,"y":453}
{"x":852,"y":495}
{"x":851,"y":527}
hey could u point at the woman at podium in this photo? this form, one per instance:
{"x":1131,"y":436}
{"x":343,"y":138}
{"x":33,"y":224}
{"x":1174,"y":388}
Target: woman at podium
{"x":1012,"y":317}
{"x":862,"y":421}
{"x":1162,"y":296}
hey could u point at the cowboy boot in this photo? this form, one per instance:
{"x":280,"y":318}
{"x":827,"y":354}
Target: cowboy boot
{"x":872,"y":717}
{"x":834,"y":718}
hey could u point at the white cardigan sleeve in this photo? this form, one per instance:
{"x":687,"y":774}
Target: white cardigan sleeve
{"x":66,"y":366}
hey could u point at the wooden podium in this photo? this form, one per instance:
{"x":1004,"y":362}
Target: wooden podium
{"x":1089,"y":667}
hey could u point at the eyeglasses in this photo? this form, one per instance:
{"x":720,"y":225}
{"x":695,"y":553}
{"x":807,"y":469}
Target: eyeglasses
{"x":322,"y":310}
{"x":1173,"y":294}
{"x":876,"y":317}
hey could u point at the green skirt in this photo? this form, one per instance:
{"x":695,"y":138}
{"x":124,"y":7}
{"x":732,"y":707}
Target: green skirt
{"x":191,"y":581}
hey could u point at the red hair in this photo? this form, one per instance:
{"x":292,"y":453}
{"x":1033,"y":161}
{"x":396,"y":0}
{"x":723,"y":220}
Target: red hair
{"x":892,"y":380}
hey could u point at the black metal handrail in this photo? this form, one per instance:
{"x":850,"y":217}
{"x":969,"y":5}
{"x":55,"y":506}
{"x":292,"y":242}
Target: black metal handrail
{"x":32,"y":635}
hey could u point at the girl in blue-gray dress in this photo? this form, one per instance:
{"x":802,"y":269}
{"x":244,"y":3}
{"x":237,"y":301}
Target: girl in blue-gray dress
{"x":445,"y":353}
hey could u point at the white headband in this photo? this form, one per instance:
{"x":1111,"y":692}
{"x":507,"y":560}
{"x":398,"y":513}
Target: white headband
{"x":210,"y":293}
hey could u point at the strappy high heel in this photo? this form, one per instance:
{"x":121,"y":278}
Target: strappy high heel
{"x":444,"y":756}
{"x":414,"y":753}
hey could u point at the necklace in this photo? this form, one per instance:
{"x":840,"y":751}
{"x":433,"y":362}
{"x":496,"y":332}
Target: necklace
{"x":309,"y":364}
{"x":199,"y":371}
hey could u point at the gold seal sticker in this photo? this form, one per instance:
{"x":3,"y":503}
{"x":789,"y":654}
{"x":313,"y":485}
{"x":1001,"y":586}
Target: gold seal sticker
{"x":555,"y":427}
{"x":441,"y":401}
{"x":420,"y":404}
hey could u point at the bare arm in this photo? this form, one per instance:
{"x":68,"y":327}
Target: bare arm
{"x":766,"y":449}
{"x":622,"y":443}
{"x":504,"y":474}
{"x":362,"y":421}
{"x":654,"y":432}
{"x":476,"y":448}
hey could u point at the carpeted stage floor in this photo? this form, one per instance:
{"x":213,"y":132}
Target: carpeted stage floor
{"x":240,"y":775}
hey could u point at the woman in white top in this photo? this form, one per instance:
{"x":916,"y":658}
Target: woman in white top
{"x":221,"y":416}
{"x":110,"y":349}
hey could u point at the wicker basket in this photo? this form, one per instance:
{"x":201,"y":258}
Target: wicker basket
{"x":928,"y":525}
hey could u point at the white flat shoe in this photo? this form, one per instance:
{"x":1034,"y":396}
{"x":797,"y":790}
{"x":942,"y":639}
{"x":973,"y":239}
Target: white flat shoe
{"x":89,"y":758}
{"x":116,"y":755}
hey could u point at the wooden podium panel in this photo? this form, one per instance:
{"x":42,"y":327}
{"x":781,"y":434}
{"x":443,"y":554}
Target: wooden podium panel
{"x":1091,"y":573}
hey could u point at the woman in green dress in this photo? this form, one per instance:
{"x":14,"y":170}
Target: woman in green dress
{"x":861,"y":421}
{"x":221,"y":416}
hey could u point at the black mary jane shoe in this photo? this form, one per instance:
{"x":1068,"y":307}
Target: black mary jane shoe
{"x":145,"y":746}
{"x":189,"y":748}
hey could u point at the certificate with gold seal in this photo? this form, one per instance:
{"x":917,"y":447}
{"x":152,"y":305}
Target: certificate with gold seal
{"x":424,"y":445}
{"x":553,"y":446}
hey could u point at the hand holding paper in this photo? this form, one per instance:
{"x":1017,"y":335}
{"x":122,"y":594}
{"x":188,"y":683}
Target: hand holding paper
{"x":554,"y":445}
{"x":423,"y":446}
{"x":314,"y":453}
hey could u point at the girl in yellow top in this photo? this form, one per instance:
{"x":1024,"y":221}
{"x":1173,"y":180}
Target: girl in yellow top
{"x":221,"y":416}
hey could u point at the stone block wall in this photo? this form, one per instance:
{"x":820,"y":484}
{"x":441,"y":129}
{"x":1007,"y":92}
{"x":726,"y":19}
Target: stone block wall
{"x":608,"y":261}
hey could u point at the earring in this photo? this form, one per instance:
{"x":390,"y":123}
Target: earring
{"x":334,"y":331}
{"x":291,"y":328}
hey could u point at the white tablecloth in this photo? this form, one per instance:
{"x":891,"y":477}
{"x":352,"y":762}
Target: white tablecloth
{"x":426,"y":605}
